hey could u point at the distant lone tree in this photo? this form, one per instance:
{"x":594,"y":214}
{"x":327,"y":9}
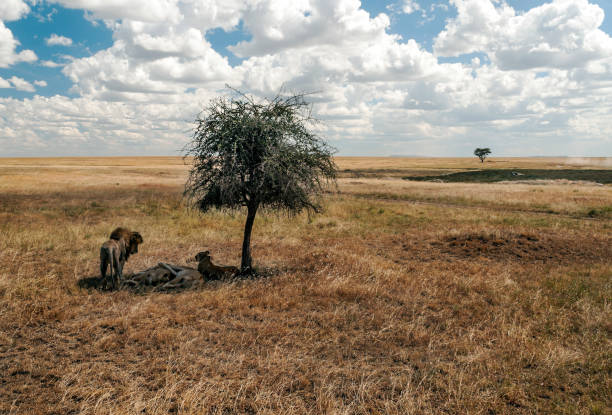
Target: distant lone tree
{"x":257,"y":154}
{"x":482,"y":153}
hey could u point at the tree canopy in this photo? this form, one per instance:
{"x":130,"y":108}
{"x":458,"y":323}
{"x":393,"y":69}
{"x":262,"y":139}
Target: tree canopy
{"x":257,"y":154}
{"x":482,"y":153}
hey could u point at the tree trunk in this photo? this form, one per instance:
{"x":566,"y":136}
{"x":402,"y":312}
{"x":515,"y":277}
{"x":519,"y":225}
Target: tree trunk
{"x":246,"y":243}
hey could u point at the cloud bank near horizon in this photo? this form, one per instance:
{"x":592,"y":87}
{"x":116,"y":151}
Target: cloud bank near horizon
{"x":535,"y":82}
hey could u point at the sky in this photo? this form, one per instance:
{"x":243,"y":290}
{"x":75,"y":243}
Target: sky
{"x":386,"y":78}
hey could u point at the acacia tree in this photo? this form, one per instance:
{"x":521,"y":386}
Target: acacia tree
{"x":257,"y":154}
{"x":482,"y":153}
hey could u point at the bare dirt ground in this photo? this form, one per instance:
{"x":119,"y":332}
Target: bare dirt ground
{"x":402,"y":297}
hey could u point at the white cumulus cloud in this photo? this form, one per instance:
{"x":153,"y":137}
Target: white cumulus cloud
{"x":276,"y":25}
{"x":138,"y":10}
{"x":51,"y":64}
{"x":13,"y":9}
{"x":559,"y":34}
{"x":8,"y":46}
{"x":21,"y":84}
{"x":410,"y":6}
{"x":545,"y":77}
{"x":55,"y":40}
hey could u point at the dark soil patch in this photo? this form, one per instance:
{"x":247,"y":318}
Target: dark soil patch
{"x":378,"y":173}
{"x":498,"y":175}
{"x":522,"y":247}
{"x":373,"y":173}
{"x":503,"y":247}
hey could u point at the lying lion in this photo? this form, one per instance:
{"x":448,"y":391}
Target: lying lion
{"x":165,"y":277}
{"x":169,"y":276}
{"x":211,"y":271}
{"x":184,"y":277}
{"x":150,"y":277}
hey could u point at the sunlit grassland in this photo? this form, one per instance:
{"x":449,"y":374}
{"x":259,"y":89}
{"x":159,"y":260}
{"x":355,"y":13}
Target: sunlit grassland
{"x":401,"y":297}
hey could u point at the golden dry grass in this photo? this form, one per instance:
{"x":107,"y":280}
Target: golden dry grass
{"x":460,"y":163}
{"x":402,"y":297}
{"x":412,"y":166}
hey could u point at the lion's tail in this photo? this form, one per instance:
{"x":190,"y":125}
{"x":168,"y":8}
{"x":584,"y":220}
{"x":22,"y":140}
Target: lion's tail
{"x":106,"y":262}
{"x":111,"y":263}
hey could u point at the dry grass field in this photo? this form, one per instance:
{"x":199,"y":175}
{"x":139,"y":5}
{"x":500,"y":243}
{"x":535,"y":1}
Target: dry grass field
{"x":402,"y":297}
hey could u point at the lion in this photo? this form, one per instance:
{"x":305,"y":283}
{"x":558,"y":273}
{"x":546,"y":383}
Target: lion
{"x":132,"y":240}
{"x":149,"y":277}
{"x":184,"y":277}
{"x":115,"y":252}
{"x":112,"y":255}
{"x":166,"y":276}
{"x":211,"y":271}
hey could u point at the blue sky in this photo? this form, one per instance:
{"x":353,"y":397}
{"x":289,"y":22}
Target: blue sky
{"x":524,"y":77}
{"x":40,"y":24}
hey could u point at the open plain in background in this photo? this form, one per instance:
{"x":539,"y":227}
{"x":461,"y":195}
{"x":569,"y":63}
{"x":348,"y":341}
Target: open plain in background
{"x":402,"y":297}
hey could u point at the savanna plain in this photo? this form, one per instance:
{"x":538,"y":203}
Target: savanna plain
{"x":401,"y":297}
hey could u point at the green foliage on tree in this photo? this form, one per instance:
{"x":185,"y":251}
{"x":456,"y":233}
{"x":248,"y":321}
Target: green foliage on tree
{"x":482,"y":153}
{"x":257,"y":154}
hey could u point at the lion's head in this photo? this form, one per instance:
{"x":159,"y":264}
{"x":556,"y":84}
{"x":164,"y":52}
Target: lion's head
{"x":135,"y":240}
{"x":202,"y":255}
